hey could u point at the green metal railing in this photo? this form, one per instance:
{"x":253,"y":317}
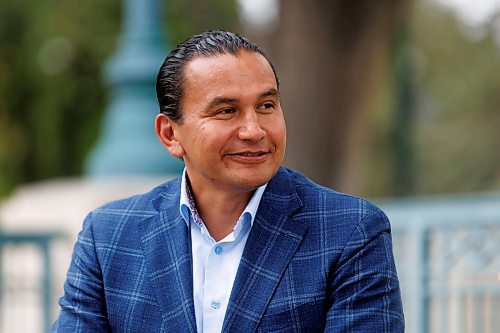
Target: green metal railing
{"x":447,"y":252}
{"x":42,"y":242}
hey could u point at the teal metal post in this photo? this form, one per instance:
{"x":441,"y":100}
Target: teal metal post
{"x":419,"y":248}
{"x":42,"y":241}
{"x":47,"y":286}
{"x":128,"y":144}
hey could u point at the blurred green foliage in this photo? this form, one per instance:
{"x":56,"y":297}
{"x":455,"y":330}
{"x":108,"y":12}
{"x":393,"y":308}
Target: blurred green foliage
{"x":454,"y":111}
{"x":187,"y":17}
{"x":52,"y":96}
{"x":458,"y":106}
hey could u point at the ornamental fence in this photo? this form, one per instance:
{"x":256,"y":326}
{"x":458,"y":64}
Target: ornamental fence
{"x":447,"y":252}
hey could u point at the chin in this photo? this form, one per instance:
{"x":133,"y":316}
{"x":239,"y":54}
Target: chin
{"x":252,"y":181}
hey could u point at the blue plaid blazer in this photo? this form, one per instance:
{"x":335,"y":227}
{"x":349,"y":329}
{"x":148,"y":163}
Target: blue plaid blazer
{"x":315,"y":260}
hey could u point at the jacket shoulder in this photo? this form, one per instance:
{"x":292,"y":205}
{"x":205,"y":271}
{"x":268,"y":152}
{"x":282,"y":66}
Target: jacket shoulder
{"x":338,"y":212}
{"x":133,"y":209}
{"x":143,"y":200}
{"x":315,"y":195}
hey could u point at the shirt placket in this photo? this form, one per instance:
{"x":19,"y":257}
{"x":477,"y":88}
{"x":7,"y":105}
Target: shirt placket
{"x":216,"y":295}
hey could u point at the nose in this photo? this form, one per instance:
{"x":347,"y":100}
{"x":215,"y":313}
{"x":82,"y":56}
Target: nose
{"x":250,"y":128}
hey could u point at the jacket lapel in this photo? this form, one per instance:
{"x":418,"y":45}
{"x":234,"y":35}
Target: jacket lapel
{"x":272,"y":242}
{"x":167,"y":245}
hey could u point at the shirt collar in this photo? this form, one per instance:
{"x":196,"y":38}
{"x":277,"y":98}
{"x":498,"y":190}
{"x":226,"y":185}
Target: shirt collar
{"x":187,"y":205}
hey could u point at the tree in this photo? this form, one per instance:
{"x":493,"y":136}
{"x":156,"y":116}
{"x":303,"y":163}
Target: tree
{"x":328,"y":53}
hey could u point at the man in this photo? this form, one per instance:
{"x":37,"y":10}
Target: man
{"x":238,"y":243}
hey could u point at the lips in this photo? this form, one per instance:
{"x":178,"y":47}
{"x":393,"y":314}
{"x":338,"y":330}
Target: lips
{"x":249,"y":156}
{"x":249,"y":153}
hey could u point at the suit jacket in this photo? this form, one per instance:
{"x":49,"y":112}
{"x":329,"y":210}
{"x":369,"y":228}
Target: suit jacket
{"x":315,"y":260}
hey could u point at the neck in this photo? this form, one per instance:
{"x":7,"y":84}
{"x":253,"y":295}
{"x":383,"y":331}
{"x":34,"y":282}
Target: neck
{"x":220,"y":209}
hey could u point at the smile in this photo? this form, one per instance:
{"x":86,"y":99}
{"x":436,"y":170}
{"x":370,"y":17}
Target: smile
{"x":251,"y":154}
{"x":249,"y":157}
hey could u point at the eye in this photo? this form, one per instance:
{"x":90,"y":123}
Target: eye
{"x":226,"y":111}
{"x":267,"y":106}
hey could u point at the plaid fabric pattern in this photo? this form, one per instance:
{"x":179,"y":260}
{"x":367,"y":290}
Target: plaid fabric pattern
{"x":316,"y":260}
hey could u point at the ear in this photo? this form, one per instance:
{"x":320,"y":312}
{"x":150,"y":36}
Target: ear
{"x":165,"y":130}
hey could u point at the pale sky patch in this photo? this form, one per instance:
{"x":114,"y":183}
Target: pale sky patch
{"x":259,"y":15}
{"x":473,"y":12}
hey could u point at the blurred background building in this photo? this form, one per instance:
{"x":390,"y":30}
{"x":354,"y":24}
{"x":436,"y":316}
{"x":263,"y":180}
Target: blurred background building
{"x":394,"y":100}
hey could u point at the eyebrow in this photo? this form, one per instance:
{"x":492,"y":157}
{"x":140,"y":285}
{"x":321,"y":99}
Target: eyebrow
{"x":221,"y":100}
{"x":227,"y":100}
{"x":270,"y":93}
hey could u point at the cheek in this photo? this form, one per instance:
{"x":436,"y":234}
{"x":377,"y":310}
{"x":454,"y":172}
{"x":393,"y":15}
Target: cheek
{"x":279,"y":132}
{"x":201,"y":134}
{"x":284,"y":138}
{"x":211,"y":137}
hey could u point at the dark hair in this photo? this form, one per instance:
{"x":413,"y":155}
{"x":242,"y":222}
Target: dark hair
{"x":170,"y":79}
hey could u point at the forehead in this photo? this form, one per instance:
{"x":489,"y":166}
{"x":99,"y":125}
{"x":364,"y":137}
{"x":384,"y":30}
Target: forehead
{"x":224,"y":72}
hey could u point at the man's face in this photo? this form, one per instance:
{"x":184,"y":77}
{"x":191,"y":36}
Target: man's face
{"x":233,"y":133}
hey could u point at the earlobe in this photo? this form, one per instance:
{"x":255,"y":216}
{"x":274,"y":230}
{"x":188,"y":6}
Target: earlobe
{"x":165,"y":130}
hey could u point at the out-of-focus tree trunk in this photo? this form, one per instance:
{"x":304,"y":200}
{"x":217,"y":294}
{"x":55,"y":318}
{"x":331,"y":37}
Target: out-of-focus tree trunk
{"x":327,"y":53}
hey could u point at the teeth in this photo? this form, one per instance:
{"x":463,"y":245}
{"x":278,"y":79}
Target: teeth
{"x":251,"y":154}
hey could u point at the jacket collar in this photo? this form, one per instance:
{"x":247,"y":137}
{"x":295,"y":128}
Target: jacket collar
{"x":167,"y":247}
{"x":273,"y":240}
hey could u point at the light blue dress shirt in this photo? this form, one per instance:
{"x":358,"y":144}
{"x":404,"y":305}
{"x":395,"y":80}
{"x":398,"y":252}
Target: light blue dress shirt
{"x":215,"y":263}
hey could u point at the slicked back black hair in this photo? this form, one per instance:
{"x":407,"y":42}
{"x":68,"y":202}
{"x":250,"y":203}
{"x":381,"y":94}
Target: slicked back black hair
{"x":170,"y":79}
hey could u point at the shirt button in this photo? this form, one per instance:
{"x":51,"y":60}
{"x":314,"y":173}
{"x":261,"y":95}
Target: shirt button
{"x":215,"y":305}
{"x":218,"y":249}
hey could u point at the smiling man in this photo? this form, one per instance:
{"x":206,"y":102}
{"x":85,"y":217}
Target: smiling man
{"x":238,"y":243}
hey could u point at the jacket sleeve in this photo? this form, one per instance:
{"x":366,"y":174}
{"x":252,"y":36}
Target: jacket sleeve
{"x":365,"y":295}
{"x":83,"y":307}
